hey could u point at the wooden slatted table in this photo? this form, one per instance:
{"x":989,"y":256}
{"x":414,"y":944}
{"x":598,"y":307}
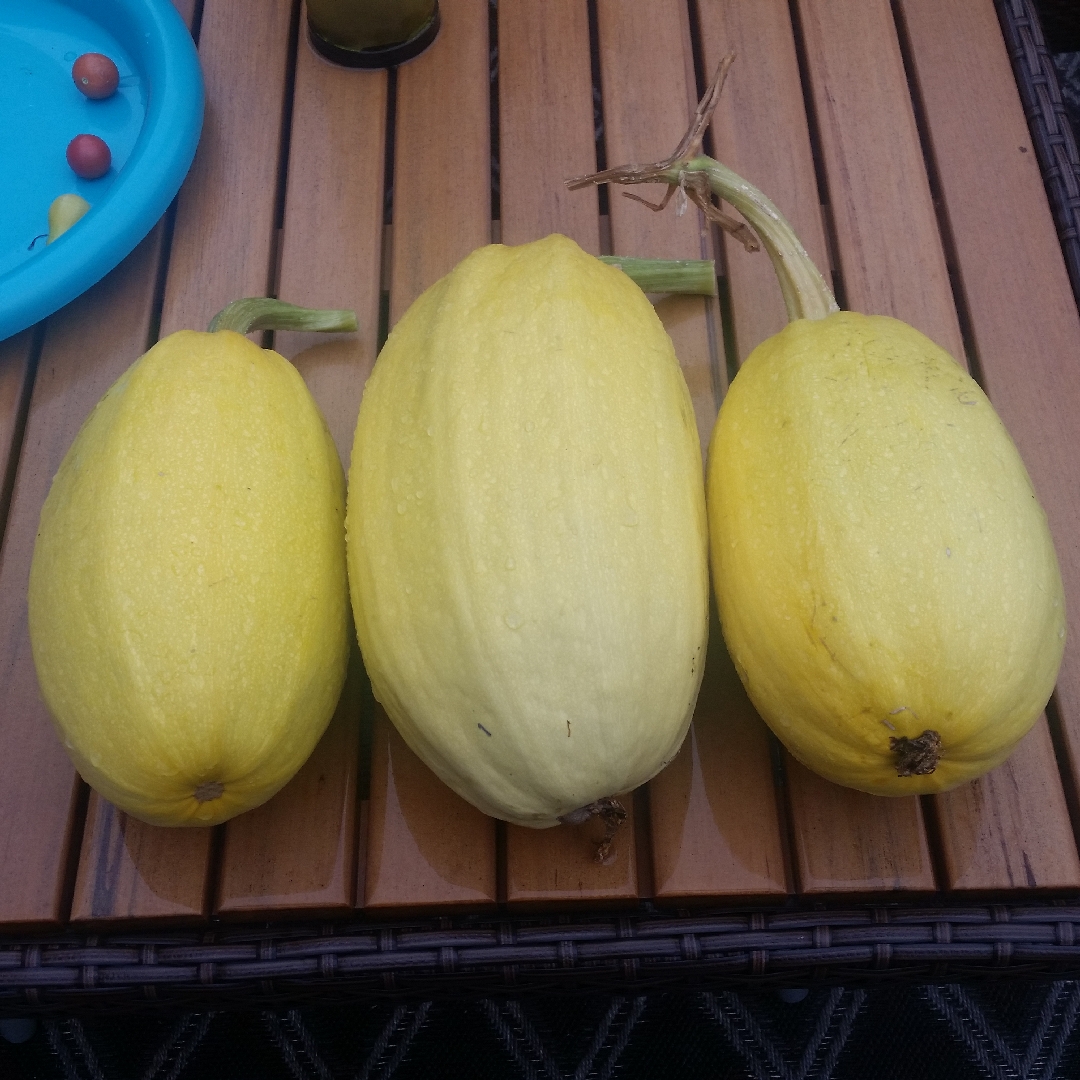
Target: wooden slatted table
{"x":891,"y":135}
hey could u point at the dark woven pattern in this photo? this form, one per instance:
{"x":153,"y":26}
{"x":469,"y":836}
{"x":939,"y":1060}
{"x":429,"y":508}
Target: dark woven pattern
{"x":1047,"y":115}
{"x":985,"y":1032}
{"x":628,"y":954}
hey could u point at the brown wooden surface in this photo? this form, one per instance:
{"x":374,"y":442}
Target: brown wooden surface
{"x":297,"y":852}
{"x":124,"y":871}
{"x":732,"y":819}
{"x":443,"y":117}
{"x":888,"y":245}
{"x":848,"y":842}
{"x":717,"y":825}
{"x":426,"y":845}
{"x":545,"y":122}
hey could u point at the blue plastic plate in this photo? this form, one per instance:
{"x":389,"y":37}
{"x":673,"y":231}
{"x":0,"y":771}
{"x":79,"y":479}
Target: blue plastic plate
{"x":151,"y":124}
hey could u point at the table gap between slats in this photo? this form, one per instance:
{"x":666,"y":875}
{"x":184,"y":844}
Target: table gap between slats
{"x":19,"y":357}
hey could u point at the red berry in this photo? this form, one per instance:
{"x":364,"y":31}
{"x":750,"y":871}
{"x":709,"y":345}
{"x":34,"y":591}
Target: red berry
{"x":89,"y":156}
{"x":95,"y":75}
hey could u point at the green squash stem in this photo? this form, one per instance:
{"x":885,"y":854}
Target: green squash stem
{"x":265,"y":313}
{"x":694,"y":176}
{"x":696,"y":277}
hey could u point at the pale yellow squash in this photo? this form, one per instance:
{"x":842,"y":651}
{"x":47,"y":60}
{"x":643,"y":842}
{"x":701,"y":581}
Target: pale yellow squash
{"x":188,"y":597}
{"x":526,"y":533}
{"x":883,"y":568}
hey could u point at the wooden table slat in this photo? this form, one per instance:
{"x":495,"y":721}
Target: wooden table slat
{"x":297,"y":852}
{"x":224,"y":235}
{"x":848,"y":842}
{"x":126,"y":872}
{"x":717,"y":826}
{"x":442,"y":157}
{"x":545,"y":122}
{"x":889,"y":246}
{"x":426,"y":845}
{"x":16,"y":359}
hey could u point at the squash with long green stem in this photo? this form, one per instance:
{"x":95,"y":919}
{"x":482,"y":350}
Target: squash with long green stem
{"x":885,"y":576}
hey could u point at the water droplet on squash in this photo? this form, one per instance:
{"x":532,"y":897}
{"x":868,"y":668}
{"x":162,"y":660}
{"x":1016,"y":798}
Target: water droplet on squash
{"x":513,"y":619}
{"x":510,"y":564}
{"x":402,"y":506}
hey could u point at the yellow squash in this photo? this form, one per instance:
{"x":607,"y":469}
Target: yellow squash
{"x":188,"y":599}
{"x":887,"y":584}
{"x":886,"y":580}
{"x":526,"y":533}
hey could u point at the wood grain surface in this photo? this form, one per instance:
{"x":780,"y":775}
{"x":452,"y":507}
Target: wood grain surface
{"x":224,"y":236}
{"x":125,"y":872}
{"x":426,"y":845}
{"x":717,"y":827}
{"x":848,"y":842}
{"x":545,"y":122}
{"x":297,"y":853}
{"x":442,"y":159}
{"x":907,"y":170}
{"x":888,"y":244}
